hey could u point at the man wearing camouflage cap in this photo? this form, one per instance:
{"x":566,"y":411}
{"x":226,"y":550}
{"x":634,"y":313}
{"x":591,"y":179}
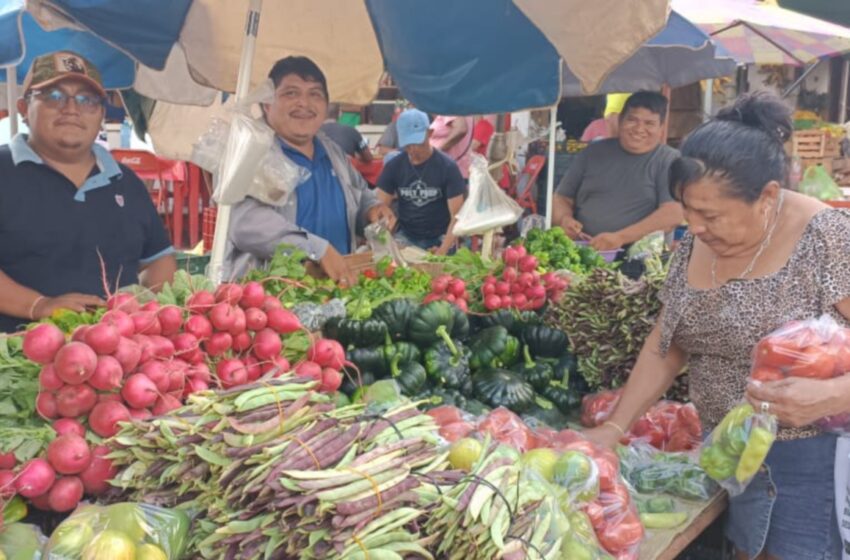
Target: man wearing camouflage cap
{"x":74,"y":223}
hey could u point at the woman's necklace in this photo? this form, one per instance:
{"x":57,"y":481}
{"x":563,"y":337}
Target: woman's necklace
{"x":762,"y":247}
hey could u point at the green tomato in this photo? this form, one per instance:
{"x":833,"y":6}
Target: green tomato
{"x":464,"y":453}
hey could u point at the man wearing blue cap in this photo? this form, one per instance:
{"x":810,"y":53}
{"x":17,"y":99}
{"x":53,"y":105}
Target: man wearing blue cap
{"x":426,"y":184}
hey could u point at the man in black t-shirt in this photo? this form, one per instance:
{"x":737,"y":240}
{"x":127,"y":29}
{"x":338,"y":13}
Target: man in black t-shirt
{"x":426,"y":184}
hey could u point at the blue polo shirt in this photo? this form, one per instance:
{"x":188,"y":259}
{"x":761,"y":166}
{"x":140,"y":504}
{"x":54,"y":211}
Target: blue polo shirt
{"x":53,"y":235}
{"x":321,"y":202}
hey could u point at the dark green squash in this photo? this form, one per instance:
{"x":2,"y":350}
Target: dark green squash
{"x":422,"y":330}
{"x":538,"y":374}
{"x":545,"y":342}
{"x":406,"y":352}
{"x":460,"y":329}
{"x":500,"y":387}
{"x":567,"y":400}
{"x":447,"y":363}
{"x":493,"y":348}
{"x":410,"y":376}
{"x":396,"y":315}
{"x":369,"y":359}
{"x":351,"y":382}
{"x":356,"y":332}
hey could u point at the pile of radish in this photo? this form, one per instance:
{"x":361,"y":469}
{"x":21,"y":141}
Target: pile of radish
{"x":521,"y":286}
{"x":448,"y":288}
{"x":140,"y":361}
{"x":324,"y":362}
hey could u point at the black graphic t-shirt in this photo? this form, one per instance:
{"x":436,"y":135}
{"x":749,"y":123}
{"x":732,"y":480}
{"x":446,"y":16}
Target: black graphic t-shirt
{"x":423,"y":192}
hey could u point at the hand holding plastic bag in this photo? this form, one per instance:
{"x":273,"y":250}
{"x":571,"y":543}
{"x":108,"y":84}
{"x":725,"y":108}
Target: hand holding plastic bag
{"x":737,"y":448}
{"x":487,"y":206}
{"x":815,"y":349}
{"x":123,"y":531}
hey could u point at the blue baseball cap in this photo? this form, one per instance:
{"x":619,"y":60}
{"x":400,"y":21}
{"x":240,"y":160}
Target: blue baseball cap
{"x":412,"y":127}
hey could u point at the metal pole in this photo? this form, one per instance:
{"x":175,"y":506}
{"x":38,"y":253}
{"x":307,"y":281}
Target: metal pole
{"x":550,"y":165}
{"x":12,"y":98}
{"x":842,"y":102}
{"x":243,"y":83}
{"x":799,"y":80}
{"x":707,"y":99}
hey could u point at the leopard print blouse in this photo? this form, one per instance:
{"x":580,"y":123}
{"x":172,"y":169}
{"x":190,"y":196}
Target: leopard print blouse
{"x":718,"y":328}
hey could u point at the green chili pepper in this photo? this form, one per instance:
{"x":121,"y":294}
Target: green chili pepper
{"x":755,"y":452}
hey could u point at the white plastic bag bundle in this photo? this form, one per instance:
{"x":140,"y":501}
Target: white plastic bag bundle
{"x":244,"y":157}
{"x":487,"y":207}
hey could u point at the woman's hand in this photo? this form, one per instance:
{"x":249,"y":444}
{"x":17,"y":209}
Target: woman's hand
{"x":606,"y":435}
{"x":798,"y":401}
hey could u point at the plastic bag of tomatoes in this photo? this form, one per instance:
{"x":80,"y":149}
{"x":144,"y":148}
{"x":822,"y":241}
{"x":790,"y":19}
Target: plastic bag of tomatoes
{"x":814,"y":348}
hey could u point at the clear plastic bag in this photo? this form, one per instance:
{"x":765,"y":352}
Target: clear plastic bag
{"x":649,"y":246}
{"x":487,"y":207}
{"x":818,"y":183}
{"x":382,"y":243}
{"x":615,"y":520}
{"x":650,"y":471}
{"x":244,"y":157}
{"x":596,"y":408}
{"x":123,"y":531}
{"x":815,"y":348}
{"x":21,"y":541}
{"x":735,"y":450}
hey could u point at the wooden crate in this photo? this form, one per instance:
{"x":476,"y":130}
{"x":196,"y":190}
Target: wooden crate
{"x":811,"y":144}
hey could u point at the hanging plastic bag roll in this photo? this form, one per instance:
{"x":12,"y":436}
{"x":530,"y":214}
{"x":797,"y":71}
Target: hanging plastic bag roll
{"x":487,"y":207}
{"x":244,"y":156}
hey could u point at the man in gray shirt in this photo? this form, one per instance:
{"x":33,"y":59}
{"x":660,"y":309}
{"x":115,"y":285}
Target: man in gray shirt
{"x":347,"y":137}
{"x":617,"y":191}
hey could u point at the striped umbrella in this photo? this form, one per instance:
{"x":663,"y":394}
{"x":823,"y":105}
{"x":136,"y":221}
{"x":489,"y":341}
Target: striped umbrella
{"x":761,"y":32}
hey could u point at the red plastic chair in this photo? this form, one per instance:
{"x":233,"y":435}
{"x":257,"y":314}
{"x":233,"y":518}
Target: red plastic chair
{"x":524,"y":187}
{"x":157,"y":172}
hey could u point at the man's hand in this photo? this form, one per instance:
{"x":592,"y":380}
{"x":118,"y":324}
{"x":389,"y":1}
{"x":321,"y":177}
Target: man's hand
{"x":573,"y":228}
{"x":381,"y":212}
{"x":334,"y":266}
{"x":74,"y":301}
{"x":606,"y":242}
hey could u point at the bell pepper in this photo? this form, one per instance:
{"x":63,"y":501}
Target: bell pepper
{"x":406,"y":351}
{"x":422,"y":330}
{"x":717,"y":464}
{"x":755,"y":452}
{"x":448,"y":363}
{"x":539,"y":374}
{"x":494,"y":347}
{"x":410,"y":376}
{"x":396,"y":315}
{"x":734,"y":418}
{"x":545,"y":342}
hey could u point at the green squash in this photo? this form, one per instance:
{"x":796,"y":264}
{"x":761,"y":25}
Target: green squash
{"x":396,"y":315}
{"x":410,"y":376}
{"x":355,"y":332}
{"x":493,"y":348}
{"x":424,"y":325}
{"x":370,"y":359}
{"x":406,"y":352}
{"x":447,"y":363}
{"x":500,"y":387}
{"x":538,"y":374}
{"x":545,"y":342}
{"x":567,"y":400}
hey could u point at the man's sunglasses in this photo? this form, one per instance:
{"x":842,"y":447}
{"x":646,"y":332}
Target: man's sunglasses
{"x":58,"y":99}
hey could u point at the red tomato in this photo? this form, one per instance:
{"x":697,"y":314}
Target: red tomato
{"x":456,"y":430}
{"x":815,"y":362}
{"x":766,"y":373}
{"x":445,"y":414}
{"x":648,"y":431}
{"x":776,"y":352}
{"x":370,"y":273}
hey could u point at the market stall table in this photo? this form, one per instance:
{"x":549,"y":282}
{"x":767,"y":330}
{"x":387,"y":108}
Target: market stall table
{"x":668,"y":544}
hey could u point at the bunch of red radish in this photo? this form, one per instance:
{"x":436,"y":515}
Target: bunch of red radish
{"x":521,"y":286}
{"x":140,"y":361}
{"x":324,"y":362}
{"x":448,"y":288}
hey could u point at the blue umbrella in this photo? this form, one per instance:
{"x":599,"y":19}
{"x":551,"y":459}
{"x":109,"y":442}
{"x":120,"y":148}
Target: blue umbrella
{"x":22,"y":39}
{"x":679,"y":55}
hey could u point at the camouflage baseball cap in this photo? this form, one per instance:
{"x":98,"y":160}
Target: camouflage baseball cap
{"x":52,"y":68}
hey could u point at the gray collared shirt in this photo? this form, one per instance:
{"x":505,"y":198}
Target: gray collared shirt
{"x":257,"y":229}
